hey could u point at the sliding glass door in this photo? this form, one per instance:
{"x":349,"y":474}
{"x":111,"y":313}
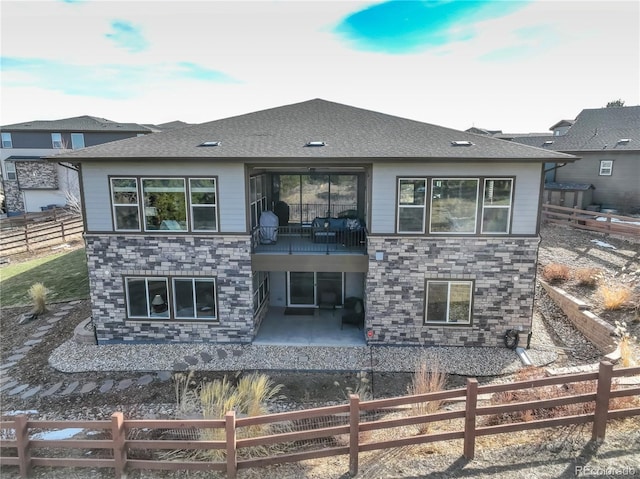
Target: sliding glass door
{"x":310,"y":288}
{"x":317,"y":195}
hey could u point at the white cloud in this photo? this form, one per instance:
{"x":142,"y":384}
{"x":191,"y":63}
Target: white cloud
{"x":208,"y":60}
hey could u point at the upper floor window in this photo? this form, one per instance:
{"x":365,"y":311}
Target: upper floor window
{"x":56,"y":140}
{"x":124,"y":196}
{"x":10,"y":167}
{"x":456,"y":205}
{"x":204,"y":206}
{"x":161,"y":204}
{"x":496,"y":205}
{"x":6,"y":140}
{"x":448,"y":302}
{"x":77,"y":140}
{"x":606,"y":167}
{"x":411,"y":205}
{"x":165,"y":204}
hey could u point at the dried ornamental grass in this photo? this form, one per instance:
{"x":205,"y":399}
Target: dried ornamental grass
{"x":556,"y":273}
{"x":614,"y":297}
{"x":587,"y":276}
{"x":425,"y":381}
{"x":38,"y":294}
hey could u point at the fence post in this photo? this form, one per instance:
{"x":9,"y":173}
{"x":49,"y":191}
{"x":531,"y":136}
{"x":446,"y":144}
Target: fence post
{"x":354,"y":433}
{"x":26,"y":237}
{"x":22,"y":442}
{"x":62,"y":230}
{"x":232,"y":452}
{"x":118,"y":435}
{"x":470,"y":418}
{"x":602,"y":401}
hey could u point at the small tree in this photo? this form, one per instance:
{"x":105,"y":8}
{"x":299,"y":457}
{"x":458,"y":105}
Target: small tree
{"x":615,"y":103}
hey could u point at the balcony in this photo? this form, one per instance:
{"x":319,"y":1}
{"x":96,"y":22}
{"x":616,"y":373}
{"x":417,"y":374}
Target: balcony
{"x":308,"y":238}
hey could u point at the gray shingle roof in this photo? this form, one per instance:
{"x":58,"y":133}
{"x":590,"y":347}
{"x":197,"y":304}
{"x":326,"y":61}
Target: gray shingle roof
{"x":283,"y":132}
{"x":598,"y":129}
{"x":78,"y":124}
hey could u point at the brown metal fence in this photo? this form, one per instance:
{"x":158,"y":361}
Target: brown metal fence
{"x":23,"y":234}
{"x":591,"y":220}
{"x":350,"y":428}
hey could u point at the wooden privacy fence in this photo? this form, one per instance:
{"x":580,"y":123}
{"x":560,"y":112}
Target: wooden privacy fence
{"x":350,"y":429}
{"x":591,"y":220}
{"x":43,"y":231}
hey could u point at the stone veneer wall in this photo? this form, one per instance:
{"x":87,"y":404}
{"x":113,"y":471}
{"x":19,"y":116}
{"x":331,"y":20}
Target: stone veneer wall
{"x":37,"y":175}
{"x":226,"y":258}
{"x":503,"y":270}
{"x":12,"y":196}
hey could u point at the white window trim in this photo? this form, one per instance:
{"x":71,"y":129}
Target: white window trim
{"x":193,"y":290}
{"x":485,"y":206}
{"x":606,"y":168}
{"x":203,"y":205}
{"x":73,"y":145}
{"x":449,"y":284}
{"x":114,"y":204}
{"x":143,"y":209}
{"x":55,"y":143}
{"x":7,"y":141}
{"x":475,"y":221}
{"x":10,"y":170}
{"x":146,"y":285}
{"x":423,"y":206}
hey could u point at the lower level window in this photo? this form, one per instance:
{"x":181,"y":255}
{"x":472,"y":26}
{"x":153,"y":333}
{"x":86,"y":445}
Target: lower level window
{"x":448,"y":302}
{"x":194,"y":298}
{"x":180,"y":298}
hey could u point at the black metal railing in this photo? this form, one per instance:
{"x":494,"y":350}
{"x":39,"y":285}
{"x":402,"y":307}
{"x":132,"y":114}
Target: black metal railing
{"x":307,"y":238}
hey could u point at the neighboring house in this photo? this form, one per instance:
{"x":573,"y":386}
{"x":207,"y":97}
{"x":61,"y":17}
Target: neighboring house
{"x":608,"y":141}
{"x":29,"y":183}
{"x":434,"y":230}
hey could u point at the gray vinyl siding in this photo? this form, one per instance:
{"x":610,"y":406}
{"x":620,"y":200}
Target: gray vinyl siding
{"x":620,"y":190}
{"x":42,"y":139}
{"x":231,"y":189}
{"x":525,"y":204}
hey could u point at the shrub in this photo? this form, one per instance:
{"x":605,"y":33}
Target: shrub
{"x":555,"y":273}
{"x":587,"y":276}
{"x":38,"y":294}
{"x":362,"y":387}
{"x":624,"y":343}
{"x":614,"y":297}
{"x":426,"y":381}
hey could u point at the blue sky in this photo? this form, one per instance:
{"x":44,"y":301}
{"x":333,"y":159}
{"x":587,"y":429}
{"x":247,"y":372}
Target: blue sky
{"x":511,"y":65}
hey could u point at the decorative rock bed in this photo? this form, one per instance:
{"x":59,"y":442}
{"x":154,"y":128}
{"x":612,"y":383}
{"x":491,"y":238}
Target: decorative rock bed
{"x":594,"y":328}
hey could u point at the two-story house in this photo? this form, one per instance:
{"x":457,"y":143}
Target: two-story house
{"x":200,"y":233}
{"x":30,"y":183}
{"x":608,"y":143}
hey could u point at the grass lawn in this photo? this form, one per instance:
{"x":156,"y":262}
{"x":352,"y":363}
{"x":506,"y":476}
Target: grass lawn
{"x":63,"y":274}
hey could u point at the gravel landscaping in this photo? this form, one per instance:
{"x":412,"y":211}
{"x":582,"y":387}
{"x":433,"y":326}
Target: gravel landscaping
{"x":149,"y":392}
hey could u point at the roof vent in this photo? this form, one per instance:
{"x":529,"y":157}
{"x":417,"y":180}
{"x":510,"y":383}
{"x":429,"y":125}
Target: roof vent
{"x":461,"y":143}
{"x":210,"y":143}
{"x":548,"y":142}
{"x":315,"y":143}
{"x":623,"y":140}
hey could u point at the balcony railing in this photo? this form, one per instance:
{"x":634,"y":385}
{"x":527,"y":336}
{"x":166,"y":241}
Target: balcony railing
{"x":305,"y":239}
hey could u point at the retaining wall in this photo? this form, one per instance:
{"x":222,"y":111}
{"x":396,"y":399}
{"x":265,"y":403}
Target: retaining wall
{"x":595,"y":329}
